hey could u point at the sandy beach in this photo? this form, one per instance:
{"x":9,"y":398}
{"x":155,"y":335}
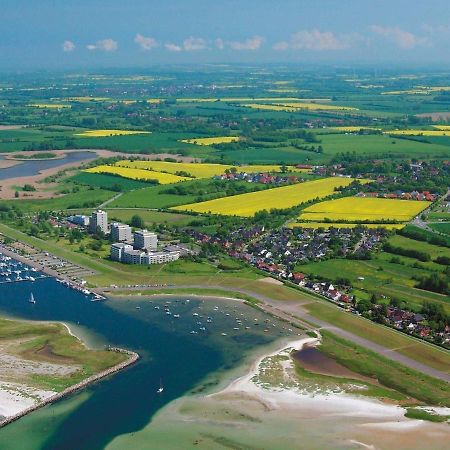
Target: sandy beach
{"x":247,"y":413}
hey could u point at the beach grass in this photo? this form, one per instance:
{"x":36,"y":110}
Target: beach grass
{"x":388,"y":373}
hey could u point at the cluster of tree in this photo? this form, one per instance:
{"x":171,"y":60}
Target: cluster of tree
{"x":409,"y":252}
{"x":434,"y":282}
{"x":425,"y":236}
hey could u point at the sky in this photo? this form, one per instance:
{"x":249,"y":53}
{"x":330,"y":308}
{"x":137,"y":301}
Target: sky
{"x":59,"y":34}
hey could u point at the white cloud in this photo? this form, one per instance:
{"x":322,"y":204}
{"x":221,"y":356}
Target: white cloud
{"x":316,"y":40}
{"x":146,"y":43}
{"x":253,"y":43}
{"x":105,"y":45}
{"x":220,"y":44}
{"x":68,"y":46}
{"x":172,"y":47}
{"x":192,"y":44}
{"x":401,"y":38}
{"x":280,"y":46}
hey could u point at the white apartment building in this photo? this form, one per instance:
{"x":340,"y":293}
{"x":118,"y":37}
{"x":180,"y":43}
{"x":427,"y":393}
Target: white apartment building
{"x":121,"y":232}
{"x":159,"y":257}
{"x":145,"y":239}
{"x":99,"y":219}
{"x":118,"y":250}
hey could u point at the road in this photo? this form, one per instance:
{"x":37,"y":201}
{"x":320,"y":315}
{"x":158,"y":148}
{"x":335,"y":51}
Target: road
{"x":294,"y":313}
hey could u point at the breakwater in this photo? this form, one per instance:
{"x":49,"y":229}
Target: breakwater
{"x":132,"y":358}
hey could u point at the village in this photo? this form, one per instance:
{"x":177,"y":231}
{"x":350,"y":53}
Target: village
{"x":280,"y":253}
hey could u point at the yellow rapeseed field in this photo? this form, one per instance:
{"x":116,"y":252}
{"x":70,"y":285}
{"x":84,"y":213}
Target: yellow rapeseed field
{"x":246,"y":205}
{"x":358,"y":209}
{"x":138,"y":174}
{"x":419,"y":132}
{"x":293,"y":107}
{"x":442,"y":127}
{"x":238,"y":99}
{"x":197,"y":170}
{"x":50,"y":105}
{"x":212,"y":140}
{"x":326,"y":225}
{"x":106,"y":133}
{"x":88,"y":99}
{"x":350,"y":129}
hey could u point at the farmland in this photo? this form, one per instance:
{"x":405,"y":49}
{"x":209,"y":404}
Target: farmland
{"x":247,"y":205}
{"x":196,"y":170}
{"x":137,"y":174}
{"x":315,"y":225}
{"x":363,"y":209}
{"x":211,"y":140}
{"x":419,"y":132}
{"x":293,"y":107}
{"x":105,"y":133}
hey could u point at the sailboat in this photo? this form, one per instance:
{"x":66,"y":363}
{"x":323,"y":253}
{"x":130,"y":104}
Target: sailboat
{"x":161,"y":387}
{"x":31,"y":300}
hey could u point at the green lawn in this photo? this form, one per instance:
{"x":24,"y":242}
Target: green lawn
{"x":441,"y":227}
{"x":389,"y":373}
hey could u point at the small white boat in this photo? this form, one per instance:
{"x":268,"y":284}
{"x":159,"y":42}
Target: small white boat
{"x":177,"y":316}
{"x":32,"y":300}
{"x":161,"y":387}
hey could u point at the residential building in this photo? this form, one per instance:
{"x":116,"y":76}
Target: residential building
{"x":78,"y":219}
{"x":99,"y":219}
{"x":121,"y":232}
{"x":131,"y":256}
{"x":159,"y":257}
{"x":145,"y":239}
{"x":118,"y":250}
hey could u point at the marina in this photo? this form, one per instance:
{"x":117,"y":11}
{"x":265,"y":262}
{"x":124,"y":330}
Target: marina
{"x":13,"y":271}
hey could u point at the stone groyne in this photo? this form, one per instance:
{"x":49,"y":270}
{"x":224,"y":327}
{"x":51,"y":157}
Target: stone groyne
{"x":132,"y":358}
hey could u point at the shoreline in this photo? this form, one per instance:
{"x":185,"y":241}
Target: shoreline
{"x":287,"y":399}
{"x":133,"y":358}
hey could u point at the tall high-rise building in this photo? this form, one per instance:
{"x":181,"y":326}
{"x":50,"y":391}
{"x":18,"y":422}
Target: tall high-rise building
{"x":99,"y":219}
{"x":145,"y":239}
{"x":121,"y":232}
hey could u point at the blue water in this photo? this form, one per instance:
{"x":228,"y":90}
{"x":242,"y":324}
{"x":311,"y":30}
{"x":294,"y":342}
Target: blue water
{"x":125,"y":402}
{"x":29,"y":168}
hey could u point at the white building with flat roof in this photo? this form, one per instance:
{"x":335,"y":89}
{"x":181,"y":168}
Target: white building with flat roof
{"x":144,"y":239}
{"x":99,"y":219}
{"x":118,"y":250}
{"x":159,"y":257}
{"x":121,"y":232}
{"x":131,"y":256}
{"x":79,"y":219}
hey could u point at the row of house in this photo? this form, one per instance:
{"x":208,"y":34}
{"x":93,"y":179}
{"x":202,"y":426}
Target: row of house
{"x":263,"y":178}
{"x":414,"y":195}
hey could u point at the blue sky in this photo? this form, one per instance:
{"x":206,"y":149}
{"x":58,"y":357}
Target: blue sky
{"x":93,"y":33}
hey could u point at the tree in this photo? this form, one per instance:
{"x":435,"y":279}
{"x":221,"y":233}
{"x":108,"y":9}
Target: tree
{"x":16,"y":194}
{"x":137,"y":221}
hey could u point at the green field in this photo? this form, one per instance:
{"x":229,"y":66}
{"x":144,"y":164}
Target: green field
{"x":441,"y":227}
{"x":380,"y":276}
{"x":83,"y":199}
{"x":380,"y":145}
{"x":107,"y":181}
{"x":149,"y":217}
